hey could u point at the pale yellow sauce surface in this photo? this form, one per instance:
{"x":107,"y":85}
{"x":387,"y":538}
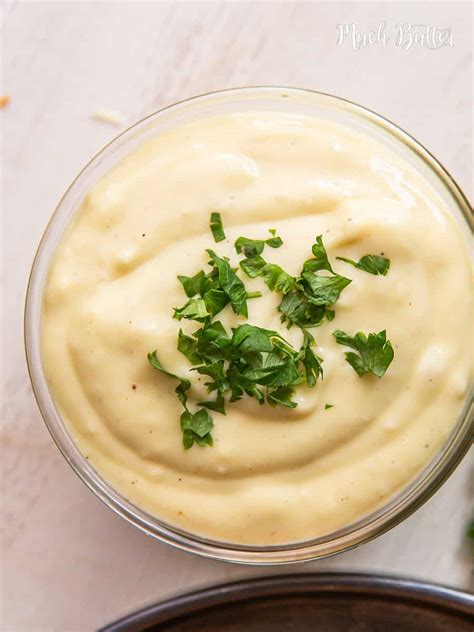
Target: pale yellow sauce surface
{"x":273,"y":475}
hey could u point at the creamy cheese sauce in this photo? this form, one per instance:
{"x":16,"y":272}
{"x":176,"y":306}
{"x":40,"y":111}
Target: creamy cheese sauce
{"x":274,"y":475}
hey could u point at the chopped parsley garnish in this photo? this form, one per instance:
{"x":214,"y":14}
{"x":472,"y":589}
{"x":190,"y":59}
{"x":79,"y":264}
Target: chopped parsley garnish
{"x":325,"y":290}
{"x":230,"y":284}
{"x":188,"y":347}
{"x":328,"y":406}
{"x":194,"y":285}
{"x":320,"y":260}
{"x":276,"y":278}
{"x":373,"y":264}
{"x":252,"y":357}
{"x":297,"y":309}
{"x":216,"y":227}
{"x":252,"y":247}
{"x":218,"y":405}
{"x":374,"y":352}
{"x":250,"y":295}
{"x":311,"y":362}
{"x":194,"y":309}
{"x":184,"y":384}
{"x":215,"y":299}
{"x":253,"y":265}
{"x":251,"y":361}
{"x":196,"y":428}
{"x":207,"y":298}
{"x":216,"y":290}
{"x":306,"y":298}
{"x":282,"y":396}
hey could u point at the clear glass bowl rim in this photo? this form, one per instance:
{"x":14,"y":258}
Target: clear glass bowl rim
{"x":369,"y":527}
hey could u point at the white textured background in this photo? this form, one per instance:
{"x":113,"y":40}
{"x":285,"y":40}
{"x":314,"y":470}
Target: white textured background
{"x":67,"y":562}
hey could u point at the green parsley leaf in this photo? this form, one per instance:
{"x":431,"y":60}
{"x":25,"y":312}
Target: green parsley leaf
{"x":254,"y":247}
{"x":250,"y":247}
{"x":188,"y":347}
{"x":201,"y":423}
{"x":218,"y":404}
{"x":373,"y":264}
{"x":184,"y":384}
{"x":239,"y":385}
{"x":196,"y":284}
{"x":274,"y":242}
{"x":188,"y":439}
{"x":375,"y":352}
{"x":276,"y":278}
{"x":325,"y":290}
{"x":284,"y":374}
{"x":213,"y":343}
{"x":328,"y":406}
{"x":196,"y":428}
{"x":249,"y":338}
{"x":215,"y":300}
{"x":217,"y":373}
{"x":296,"y":308}
{"x":320,"y":261}
{"x":281,"y":396}
{"x":311,"y":361}
{"x":194,"y":309}
{"x":231,"y":284}
{"x":252,"y":265}
{"x":203,"y":441}
{"x":217,"y":227}
{"x":305,"y":297}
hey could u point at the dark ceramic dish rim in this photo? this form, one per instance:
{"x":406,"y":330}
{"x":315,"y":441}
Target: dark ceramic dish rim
{"x":403,"y":589}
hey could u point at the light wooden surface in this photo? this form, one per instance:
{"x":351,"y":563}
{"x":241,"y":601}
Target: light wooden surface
{"x":67,"y":562}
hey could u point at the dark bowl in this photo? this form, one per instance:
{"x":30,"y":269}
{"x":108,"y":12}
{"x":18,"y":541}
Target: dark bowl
{"x":314,"y":602}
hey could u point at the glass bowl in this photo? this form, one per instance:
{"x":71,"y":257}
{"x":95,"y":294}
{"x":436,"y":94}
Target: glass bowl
{"x":227,"y":101}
